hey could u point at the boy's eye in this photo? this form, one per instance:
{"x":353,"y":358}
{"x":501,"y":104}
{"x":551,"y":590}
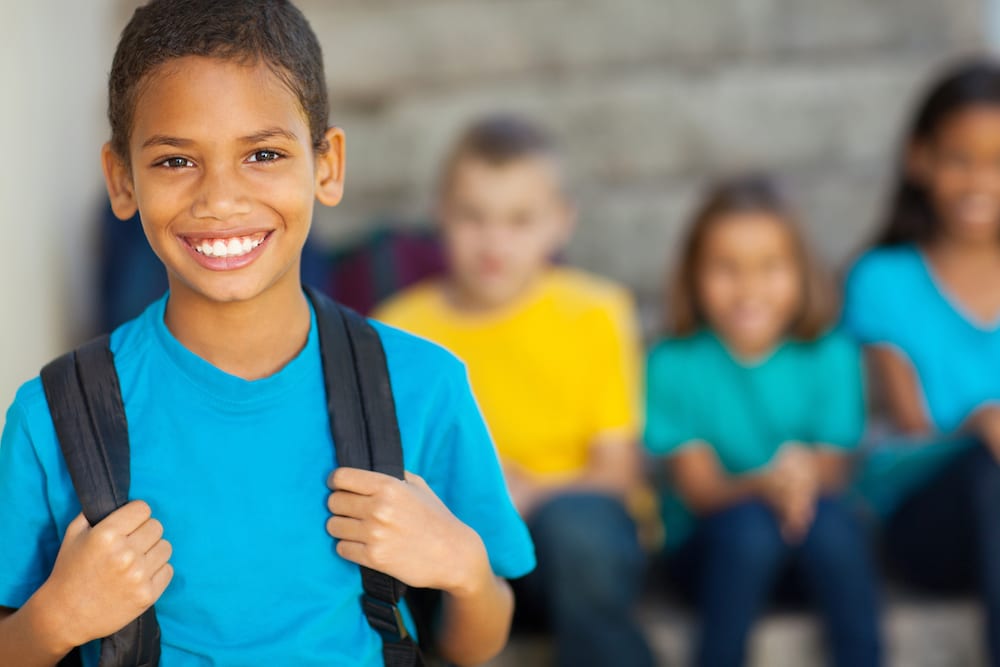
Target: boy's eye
{"x":264,"y":156}
{"x":176,"y":163}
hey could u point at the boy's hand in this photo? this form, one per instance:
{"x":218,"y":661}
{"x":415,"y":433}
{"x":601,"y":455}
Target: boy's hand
{"x":403,"y":529}
{"x":106,"y":576}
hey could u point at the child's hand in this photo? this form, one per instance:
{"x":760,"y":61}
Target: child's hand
{"x":106,"y":576}
{"x":795,"y":489}
{"x":403,"y":529}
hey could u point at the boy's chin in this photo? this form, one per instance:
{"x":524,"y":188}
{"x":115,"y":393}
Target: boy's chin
{"x":223,"y":290}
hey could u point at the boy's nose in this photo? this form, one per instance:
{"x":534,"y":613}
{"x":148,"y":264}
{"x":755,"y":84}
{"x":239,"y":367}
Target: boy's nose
{"x":220,"y":196}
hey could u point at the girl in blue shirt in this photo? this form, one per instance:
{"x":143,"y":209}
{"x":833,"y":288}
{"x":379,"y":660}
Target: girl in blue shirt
{"x":755,"y":408}
{"x":925,"y":302}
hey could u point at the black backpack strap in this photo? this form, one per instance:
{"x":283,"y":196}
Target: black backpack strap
{"x":366,"y":435}
{"x":85,"y":401}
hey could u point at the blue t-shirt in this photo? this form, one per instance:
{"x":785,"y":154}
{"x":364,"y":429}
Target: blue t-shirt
{"x":698,"y":392}
{"x":893,"y":299}
{"x":236,"y":471}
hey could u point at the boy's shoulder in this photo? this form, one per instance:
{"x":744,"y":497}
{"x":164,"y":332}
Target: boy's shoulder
{"x":414,"y":301}
{"x":580,"y":289}
{"x":401,"y":345}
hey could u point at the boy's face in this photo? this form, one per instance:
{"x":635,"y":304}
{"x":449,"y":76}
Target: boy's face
{"x":501,"y":225}
{"x":224,"y":175}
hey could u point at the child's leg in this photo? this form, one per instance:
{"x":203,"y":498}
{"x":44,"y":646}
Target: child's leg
{"x":742,"y":553}
{"x":837,"y":566}
{"x":946,"y":536}
{"x":590,"y":568}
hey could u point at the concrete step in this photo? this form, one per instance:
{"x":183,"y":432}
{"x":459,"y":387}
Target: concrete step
{"x":919,"y":633}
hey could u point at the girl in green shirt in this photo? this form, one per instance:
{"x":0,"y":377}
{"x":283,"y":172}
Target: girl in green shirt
{"x":755,"y":406}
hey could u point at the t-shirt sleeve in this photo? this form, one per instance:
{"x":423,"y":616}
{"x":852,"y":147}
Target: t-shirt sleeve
{"x":616,"y":368}
{"x":840,"y":405}
{"x":867,"y":315}
{"x":29,"y":540}
{"x":462,"y":468}
{"x":671,"y":412}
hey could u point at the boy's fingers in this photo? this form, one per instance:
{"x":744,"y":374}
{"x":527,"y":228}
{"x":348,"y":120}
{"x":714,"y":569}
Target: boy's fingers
{"x":345,"y":528}
{"x":128,"y":517}
{"x":354,"y":552}
{"x":416,"y":480}
{"x":146,"y":535}
{"x":345,"y":503}
{"x":355,"y":480}
{"x":78,"y":525}
{"x":161,"y":579}
{"x":158,"y":556}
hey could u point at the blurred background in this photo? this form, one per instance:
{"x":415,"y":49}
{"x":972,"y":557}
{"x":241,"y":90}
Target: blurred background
{"x":649,"y":98}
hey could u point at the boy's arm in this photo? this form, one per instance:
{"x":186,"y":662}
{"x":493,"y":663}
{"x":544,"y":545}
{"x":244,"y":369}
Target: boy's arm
{"x":104,"y":577}
{"x":403,"y":529}
{"x":27,"y":638}
{"x":612,"y":469}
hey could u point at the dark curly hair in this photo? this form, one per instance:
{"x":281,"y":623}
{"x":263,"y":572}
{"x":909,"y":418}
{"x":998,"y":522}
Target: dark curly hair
{"x":247,"y":31}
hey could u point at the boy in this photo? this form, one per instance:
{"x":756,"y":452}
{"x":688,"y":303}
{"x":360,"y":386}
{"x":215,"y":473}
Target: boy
{"x":218,"y":111}
{"x":552,"y":355}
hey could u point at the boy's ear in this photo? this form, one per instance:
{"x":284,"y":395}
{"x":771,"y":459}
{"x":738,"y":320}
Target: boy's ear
{"x":118,"y":180}
{"x":570,"y":215}
{"x":330,"y":169}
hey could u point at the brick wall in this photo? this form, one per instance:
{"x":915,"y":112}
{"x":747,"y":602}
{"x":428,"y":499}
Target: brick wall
{"x":650,"y":98}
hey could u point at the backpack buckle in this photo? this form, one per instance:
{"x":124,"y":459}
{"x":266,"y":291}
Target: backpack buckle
{"x":385,"y":618}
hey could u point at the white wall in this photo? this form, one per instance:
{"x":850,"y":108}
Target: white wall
{"x":54,"y":57}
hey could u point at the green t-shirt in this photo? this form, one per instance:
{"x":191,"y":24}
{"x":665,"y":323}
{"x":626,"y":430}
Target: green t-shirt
{"x":697,"y":391}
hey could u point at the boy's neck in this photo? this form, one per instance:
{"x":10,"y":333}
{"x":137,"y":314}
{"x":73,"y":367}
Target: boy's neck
{"x":249,"y":339}
{"x":470,"y":302}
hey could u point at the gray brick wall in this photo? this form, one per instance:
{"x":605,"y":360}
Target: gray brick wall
{"x":650,"y":98}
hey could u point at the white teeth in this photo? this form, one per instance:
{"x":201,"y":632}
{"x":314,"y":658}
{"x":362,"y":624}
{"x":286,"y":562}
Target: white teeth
{"x":233,"y":247}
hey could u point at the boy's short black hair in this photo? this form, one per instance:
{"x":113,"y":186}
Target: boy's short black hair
{"x":499,"y":139}
{"x":248,"y":31}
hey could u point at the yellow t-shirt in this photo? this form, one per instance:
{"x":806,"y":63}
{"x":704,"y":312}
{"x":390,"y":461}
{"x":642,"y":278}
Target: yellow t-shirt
{"x":552,"y":372}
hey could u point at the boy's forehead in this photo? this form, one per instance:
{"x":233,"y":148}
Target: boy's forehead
{"x":531,"y":171}
{"x":202,"y":98}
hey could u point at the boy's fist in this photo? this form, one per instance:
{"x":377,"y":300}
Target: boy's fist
{"x":107,"y":575}
{"x":403,"y":529}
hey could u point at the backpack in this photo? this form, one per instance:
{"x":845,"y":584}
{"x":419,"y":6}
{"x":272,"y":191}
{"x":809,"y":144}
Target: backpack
{"x":85,"y":401}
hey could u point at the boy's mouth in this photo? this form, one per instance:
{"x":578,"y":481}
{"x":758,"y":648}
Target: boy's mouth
{"x":226,"y":247}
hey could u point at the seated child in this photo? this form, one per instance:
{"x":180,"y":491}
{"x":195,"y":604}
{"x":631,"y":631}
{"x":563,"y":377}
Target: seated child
{"x":755,"y":409}
{"x":219,"y":139}
{"x":552,"y":357}
{"x":925,"y":303}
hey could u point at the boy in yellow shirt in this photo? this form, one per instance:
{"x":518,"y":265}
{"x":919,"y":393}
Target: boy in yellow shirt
{"x":552,"y":355}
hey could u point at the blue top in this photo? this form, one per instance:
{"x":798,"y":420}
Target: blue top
{"x":236,"y":471}
{"x":698,"y":392}
{"x":892,"y":298}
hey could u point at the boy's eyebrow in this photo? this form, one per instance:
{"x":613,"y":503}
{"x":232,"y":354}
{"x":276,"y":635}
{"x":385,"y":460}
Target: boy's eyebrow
{"x":164,"y":140}
{"x":269,"y":133}
{"x":255,"y":138}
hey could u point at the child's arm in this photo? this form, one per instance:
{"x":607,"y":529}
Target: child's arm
{"x":103,"y":578}
{"x":403,"y":529}
{"x":900,"y":386}
{"x":612,"y":468}
{"x":704,"y":485}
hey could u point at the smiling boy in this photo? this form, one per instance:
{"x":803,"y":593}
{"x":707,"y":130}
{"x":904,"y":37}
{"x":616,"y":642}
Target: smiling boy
{"x":220,"y":141}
